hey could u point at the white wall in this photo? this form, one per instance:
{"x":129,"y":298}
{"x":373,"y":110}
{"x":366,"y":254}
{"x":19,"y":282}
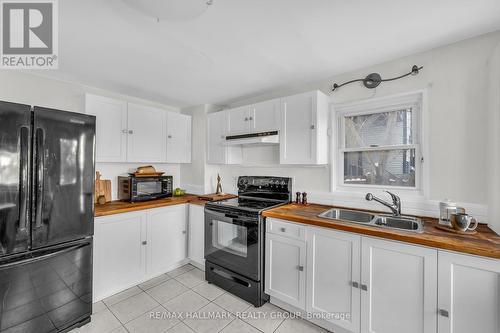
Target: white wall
{"x":494,"y":143}
{"x":456,"y":78}
{"x":26,"y":88}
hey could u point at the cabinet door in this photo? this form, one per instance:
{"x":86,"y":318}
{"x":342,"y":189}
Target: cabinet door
{"x":399,"y":288}
{"x":469,"y":294}
{"x":265,"y":116}
{"x":285,"y":270}
{"x":178,"y":138}
{"x":217,"y":153}
{"x":333,"y":276}
{"x":119,"y":253}
{"x":298,"y":129}
{"x":196,"y":234}
{"x":111,"y":127}
{"x":167,"y":239}
{"x":238,"y":121}
{"x":147,"y":138}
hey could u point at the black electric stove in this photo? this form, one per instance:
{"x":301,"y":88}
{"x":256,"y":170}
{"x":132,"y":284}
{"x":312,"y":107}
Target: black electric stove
{"x":234,"y":236}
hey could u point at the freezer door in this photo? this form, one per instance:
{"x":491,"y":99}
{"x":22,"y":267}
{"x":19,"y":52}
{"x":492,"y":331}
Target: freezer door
{"x":63,"y":176}
{"x":47,"y":290}
{"x":15,"y":145}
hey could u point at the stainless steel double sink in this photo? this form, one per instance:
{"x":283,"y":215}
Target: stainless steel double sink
{"x":405,"y":223}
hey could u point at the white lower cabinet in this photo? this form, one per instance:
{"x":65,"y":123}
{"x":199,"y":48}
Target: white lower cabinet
{"x":333,"y":272}
{"x":469,"y":294}
{"x":285,"y":270}
{"x":196,"y":251}
{"x":119,"y":252}
{"x":133,"y":247}
{"x":167,"y":238}
{"x":401,"y":287}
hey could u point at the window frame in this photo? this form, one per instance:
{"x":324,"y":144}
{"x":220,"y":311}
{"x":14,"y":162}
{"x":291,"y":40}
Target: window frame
{"x":415,"y":100}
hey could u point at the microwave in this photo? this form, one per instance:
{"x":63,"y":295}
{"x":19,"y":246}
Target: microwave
{"x":135,"y":189}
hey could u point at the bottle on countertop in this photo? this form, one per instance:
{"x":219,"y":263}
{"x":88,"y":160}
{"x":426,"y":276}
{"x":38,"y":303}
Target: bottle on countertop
{"x":297,"y":198}
{"x":304,"y":198}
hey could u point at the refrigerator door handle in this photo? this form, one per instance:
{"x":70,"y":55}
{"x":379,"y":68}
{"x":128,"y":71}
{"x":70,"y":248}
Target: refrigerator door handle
{"x":39,"y":176}
{"x":44,"y":256}
{"x":23,"y":184}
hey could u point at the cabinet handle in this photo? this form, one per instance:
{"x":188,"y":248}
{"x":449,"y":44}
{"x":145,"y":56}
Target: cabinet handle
{"x":300,"y":268}
{"x":184,"y":231}
{"x":170,"y":137}
{"x":144,"y":242}
{"x":251,"y":118}
{"x":443,"y":313}
{"x":246,"y":118}
{"x":130,"y":132}
{"x":313,"y":127}
{"x":355,"y":284}
{"x":124,"y":131}
{"x":364,"y":287}
{"x":282,"y":229}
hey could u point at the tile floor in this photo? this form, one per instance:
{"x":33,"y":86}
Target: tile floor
{"x":185,"y":292}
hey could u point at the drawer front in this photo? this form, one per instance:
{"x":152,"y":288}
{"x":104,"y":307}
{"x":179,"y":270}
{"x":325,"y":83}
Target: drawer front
{"x":286,"y":229}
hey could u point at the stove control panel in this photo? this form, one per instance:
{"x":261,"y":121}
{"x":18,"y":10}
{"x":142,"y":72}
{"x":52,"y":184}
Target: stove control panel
{"x":267,"y":187}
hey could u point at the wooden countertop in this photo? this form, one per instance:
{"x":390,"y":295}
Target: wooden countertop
{"x":484,"y":243}
{"x":118,"y":207}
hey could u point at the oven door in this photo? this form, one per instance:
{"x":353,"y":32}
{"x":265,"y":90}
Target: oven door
{"x":233,"y":242}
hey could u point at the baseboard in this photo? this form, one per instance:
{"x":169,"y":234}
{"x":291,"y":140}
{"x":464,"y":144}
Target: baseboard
{"x":199,"y":265}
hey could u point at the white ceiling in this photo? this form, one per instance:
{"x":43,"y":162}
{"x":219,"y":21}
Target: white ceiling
{"x":243,"y":48}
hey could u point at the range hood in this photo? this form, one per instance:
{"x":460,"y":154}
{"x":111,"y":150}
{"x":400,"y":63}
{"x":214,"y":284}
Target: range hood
{"x":263,"y":138}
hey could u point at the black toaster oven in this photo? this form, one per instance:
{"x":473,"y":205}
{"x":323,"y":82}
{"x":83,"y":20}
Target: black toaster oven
{"x":135,"y":189}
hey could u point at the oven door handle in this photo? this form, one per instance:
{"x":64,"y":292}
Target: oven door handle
{"x":232,"y":218}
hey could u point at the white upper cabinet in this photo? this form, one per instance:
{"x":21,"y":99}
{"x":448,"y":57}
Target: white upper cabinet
{"x":147,"y":139}
{"x":178,"y":138}
{"x":469,"y":294}
{"x":265,"y":116}
{"x":333,"y":275}
{"x":111,"y":127}
{"x":304,"y":129}
{"x":217,"y":152}
{"x":398,"y":288}
{"x":238,"y":120}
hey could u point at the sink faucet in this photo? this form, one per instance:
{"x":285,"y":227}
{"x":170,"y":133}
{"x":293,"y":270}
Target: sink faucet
{"x":395,"y":207}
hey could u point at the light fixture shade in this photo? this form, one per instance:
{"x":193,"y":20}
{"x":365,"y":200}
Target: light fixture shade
{"x":171,"y":10}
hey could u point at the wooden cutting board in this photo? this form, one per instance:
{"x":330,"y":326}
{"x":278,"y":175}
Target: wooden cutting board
{"x":214,"y":197}
{"x":102,"y":187}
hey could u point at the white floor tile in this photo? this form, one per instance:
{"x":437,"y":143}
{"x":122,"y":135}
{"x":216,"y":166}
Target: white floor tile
{"x":209,"y":291}
{"x":167,"y":290}
{"x":133,"y":307}
{"x":122,"y":295}
{"x":211,"y":319}
{"x":154,"y":282}
{"x":297,"y":325}
{"x":266,"y":318}
{"x":180,"y":270}
{"x":239,"y":326}
{"x":192,"y":278}
{"x":102,"y":322}
{"x":98,"y":306}
{"x":232,"y":303}
{"x":151,"y":323}
{"x":186,"y":302}
{"x":180,"y":328}
{"x":120,"y":329}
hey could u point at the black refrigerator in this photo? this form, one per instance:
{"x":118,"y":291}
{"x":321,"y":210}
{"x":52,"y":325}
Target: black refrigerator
{"x":47,"y":162}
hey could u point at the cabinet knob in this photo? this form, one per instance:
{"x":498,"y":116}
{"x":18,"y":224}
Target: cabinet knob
{"x":300,"y":268}
{"x":169,"y":136}
{"x":251,"y":118}
{"x":130,"y":132}
{"x":144,"y":242}
{"x":313,"y":127}
{"x":124,"y":131}
{"x":355,"y":284}
{"x":364,"y":287}
{"x":184,"y":231}
{"x":443,"y":313}
{"x":282,"y":229}
{"x":246,"y":118}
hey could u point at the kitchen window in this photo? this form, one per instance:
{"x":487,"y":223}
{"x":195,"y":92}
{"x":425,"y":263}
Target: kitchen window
{"x":379,"y":144}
